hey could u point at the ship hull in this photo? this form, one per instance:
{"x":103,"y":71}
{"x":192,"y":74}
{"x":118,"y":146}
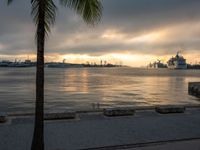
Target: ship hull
{"x":177,"y":67}
{"x":64,"y":65}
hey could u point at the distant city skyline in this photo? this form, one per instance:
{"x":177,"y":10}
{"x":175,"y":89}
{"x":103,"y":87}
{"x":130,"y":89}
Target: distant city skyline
{"x":134,"y":32}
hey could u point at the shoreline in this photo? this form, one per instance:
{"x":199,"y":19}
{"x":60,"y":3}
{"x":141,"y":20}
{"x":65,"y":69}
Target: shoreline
{"x":137,"y":108}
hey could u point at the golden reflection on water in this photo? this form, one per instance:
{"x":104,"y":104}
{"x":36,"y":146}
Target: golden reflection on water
{"x":78,"y":88}
{"x":115,"y":87}
{"x":84,"y":76}
{"x":157,"y":89}
{"x":77,"y":83}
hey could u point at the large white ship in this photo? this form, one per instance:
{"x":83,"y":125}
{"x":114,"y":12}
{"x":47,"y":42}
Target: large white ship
{"x":177,"y":62}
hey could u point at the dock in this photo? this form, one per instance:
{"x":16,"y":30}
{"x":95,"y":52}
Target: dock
{"x":194,"y":89}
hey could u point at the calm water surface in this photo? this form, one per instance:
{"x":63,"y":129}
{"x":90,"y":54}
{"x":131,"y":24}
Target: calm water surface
{"x":80,"y":88}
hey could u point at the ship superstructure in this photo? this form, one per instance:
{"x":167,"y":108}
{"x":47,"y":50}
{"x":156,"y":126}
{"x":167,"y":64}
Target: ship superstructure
{"x":177,"y":62}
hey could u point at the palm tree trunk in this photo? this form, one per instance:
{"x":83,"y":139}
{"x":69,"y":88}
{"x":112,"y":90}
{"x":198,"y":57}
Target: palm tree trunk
{"x":38,"y":135}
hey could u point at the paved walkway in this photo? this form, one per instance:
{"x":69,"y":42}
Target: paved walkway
{"x":94,"y":130}
{"x":180,"y":145}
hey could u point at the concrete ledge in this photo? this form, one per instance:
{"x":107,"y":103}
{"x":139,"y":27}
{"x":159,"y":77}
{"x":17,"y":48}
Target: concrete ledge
{"x":3,"y":117}
{"x":112,"y":112}
{"x":169,"y":109}
{"x":21,"y":113}
{"x":60,"y":115}
{"x":194,"y":89}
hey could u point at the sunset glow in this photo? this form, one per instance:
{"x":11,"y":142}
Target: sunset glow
{"x":129,"y":35}
{"x":148,"y":38}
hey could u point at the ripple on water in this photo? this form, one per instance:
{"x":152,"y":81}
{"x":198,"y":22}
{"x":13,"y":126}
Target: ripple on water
{"x":80,"y":88}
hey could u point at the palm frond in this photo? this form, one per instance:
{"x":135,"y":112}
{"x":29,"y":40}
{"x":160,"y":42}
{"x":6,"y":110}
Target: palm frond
{"x":48,"y":9}
{"x":89,"y":10}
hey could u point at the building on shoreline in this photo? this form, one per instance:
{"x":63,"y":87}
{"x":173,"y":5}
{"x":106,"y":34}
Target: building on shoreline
{"x":29,"y":63}
{"x":157,"y":64}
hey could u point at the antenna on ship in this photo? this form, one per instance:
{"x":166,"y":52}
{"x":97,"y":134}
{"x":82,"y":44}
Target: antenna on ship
{"x":181,"y":49}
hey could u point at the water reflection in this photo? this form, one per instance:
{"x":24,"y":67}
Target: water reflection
{"x":79,"y":88}
{"x":77,"y":83}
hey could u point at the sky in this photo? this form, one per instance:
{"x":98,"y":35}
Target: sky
{"x":132,"y":32}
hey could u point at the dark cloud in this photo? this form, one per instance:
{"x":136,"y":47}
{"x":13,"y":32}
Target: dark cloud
{"x":180,"y":19}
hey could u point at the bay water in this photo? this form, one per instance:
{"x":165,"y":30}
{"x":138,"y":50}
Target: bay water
{"x":81,"y":88}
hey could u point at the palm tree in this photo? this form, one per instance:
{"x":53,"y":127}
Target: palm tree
{"x":44,"y":13}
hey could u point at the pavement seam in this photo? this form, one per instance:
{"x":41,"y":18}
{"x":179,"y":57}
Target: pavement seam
{"x":146,"y":144}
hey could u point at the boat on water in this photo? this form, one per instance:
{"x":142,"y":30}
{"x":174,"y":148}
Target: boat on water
{"x":177,"y":62}
{"x":5,"y":63}
{"x":19,"y":65}
{"x":63,"y":65}
{"x":26,"y":63}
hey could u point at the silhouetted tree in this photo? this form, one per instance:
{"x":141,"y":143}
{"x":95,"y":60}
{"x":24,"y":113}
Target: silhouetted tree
{"x":44,"y":13}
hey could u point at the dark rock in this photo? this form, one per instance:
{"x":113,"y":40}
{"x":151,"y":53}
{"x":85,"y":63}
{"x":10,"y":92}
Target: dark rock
{"x":170,"y":109}
{"x":112,"y":112}
{"x":3,"y":117}
{"x":194,"y":89}
{"x":60,"y":115}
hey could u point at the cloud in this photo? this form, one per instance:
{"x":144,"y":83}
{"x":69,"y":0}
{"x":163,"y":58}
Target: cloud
{"x":137,"y":27}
